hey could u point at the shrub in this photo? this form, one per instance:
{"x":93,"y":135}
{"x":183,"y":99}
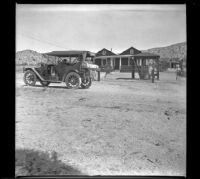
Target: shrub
{"x":34,"y":162}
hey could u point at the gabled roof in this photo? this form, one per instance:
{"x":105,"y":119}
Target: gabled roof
{"x":146,"y":54}
{"x":104,"y":52}
{"x":130,"y":51}
{"x":69,"y":53}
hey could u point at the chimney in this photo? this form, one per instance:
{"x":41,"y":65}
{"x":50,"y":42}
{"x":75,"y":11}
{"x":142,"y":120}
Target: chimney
{"x":111,"y":49}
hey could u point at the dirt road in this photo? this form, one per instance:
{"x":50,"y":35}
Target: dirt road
{"x":117,"y":127}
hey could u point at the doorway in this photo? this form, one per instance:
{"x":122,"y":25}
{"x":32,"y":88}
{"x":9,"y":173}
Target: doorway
{"x":98,"y":62}
{"x":116,"y":67}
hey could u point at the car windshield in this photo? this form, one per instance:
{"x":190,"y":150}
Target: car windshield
{"x":69,"y":61}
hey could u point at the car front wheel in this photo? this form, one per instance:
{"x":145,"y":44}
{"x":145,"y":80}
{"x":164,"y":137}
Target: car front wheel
{"x":30,"y":78}
{"x":86,"y":83}
{"x":73,"y":80}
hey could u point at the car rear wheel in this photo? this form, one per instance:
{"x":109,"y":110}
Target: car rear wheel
{"x":86,"y":83}
{"x":30,"y":78}
{"x":73,"y":80}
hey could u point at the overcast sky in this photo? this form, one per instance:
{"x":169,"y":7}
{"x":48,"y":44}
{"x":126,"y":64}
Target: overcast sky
{"x":46,"y":28}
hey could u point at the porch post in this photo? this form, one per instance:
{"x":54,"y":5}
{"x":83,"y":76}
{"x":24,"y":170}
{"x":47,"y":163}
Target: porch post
{"x":133,"y":68}
{"x":111,"y":62}
{"x":120,"y":64}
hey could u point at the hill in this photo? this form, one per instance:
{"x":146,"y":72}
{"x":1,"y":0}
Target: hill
{"x":30,"y":57}
{"x":173,"y":51}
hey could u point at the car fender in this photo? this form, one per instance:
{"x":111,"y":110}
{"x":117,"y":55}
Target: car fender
{"x":36,"y":73}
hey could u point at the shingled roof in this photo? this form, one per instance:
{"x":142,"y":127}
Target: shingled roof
{"x":130,"y":51}
{"x":104,"y":52}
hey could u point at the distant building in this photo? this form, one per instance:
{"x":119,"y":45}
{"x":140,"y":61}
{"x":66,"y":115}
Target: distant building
{"x":173,"y":62}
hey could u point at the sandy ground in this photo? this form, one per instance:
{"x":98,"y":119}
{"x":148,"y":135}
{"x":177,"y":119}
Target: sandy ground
{"x":117,"y":127}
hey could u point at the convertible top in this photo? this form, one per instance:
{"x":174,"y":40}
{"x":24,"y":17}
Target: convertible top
{"x":70,"y":53}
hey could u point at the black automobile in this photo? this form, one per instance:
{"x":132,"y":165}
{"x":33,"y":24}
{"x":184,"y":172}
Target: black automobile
{"x":76,"y":74}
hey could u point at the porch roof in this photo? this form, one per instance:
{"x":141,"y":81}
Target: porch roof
{"x":114,"y":56}
{"x":143,"y":54}
{"x":146,"y":54}
{"x":109,"y":56}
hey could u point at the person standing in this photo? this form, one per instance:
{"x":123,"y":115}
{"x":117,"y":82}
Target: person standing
{"x":150,"y":71}
{"x":177,"y":71}
{"x":107,"y":69}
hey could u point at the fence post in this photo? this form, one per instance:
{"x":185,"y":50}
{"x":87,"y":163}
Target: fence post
{"x":99,"y":75}
{"x":152,"y":74}
{"x":133,"y":73}
{"x":158,"y":75}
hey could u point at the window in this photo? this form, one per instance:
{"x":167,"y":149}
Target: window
{"x":144,"y":62}
{"x":124,"y":61}
{"x":98,"y":61}
{"x":131,"y":61}
{"x":104,"y":52}
{"x":131,"y":51}
{"x":108,"y":61}
{"x":104,"y":61}
{"x":139,"y":62}
{"x":147,"y":62}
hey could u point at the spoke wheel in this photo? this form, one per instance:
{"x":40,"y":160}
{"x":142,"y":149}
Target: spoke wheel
{"x":73,"y":80}
{"x":86,"y":83}
{"x":30,"y":78}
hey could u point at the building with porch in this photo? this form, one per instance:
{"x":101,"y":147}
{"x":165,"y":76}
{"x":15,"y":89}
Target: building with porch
{"x":130,"y":60}
{"x":120,"y":61}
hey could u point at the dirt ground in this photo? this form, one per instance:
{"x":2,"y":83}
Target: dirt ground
{"x":119,"y":126}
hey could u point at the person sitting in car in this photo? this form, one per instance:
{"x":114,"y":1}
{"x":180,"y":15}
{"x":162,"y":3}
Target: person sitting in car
{"x":64,"y":61}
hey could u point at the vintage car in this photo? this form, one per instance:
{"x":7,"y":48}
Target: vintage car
{"x":75,"y":75}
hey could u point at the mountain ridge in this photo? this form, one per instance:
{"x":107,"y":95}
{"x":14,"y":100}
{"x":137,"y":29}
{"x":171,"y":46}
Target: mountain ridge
{"x":178,"y":43}
{"x":31,"y":57}
{"x":177,"y":50}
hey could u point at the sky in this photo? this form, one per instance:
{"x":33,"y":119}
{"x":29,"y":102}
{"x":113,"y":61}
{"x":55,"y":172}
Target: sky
{"x":46,"y":28}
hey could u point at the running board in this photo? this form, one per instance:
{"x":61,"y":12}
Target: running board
{"x":52,"y":81}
